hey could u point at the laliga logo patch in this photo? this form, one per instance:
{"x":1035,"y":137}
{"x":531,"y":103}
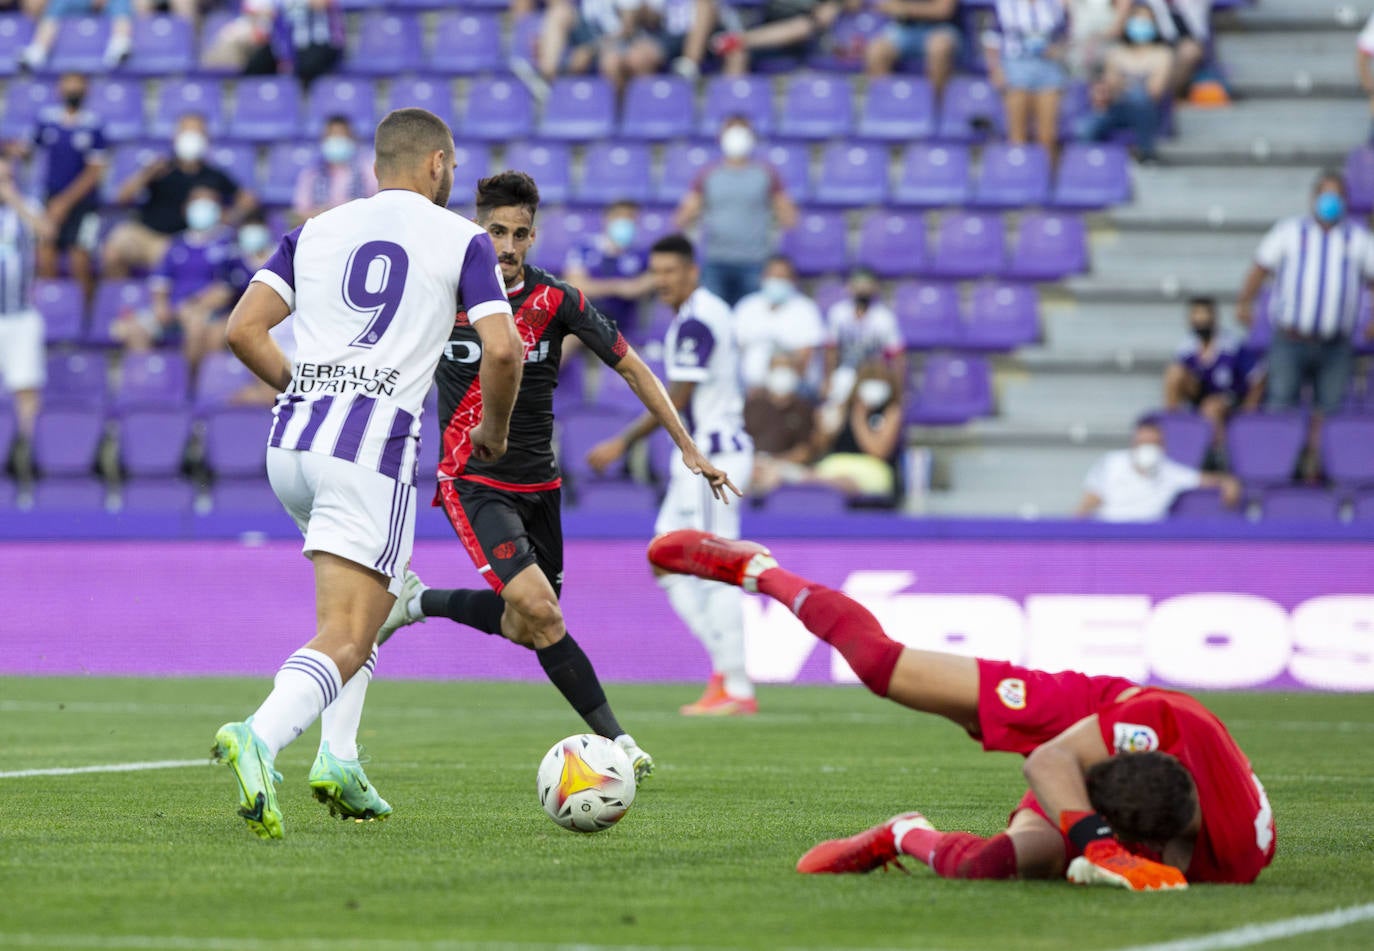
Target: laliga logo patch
{"x":1012,"y":693}
{"x":1134,"y":738}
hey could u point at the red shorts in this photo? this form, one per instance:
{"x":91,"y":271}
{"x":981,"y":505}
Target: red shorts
{"x":1020,"y":708}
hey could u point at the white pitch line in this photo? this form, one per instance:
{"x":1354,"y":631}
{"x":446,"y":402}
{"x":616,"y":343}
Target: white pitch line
{"x":1270,"y":931}
{"x":180,"y":943}
{"x":109,"y":768}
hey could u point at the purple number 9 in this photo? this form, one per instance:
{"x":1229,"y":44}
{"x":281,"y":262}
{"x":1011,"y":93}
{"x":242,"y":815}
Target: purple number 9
{"x":374,"y":281}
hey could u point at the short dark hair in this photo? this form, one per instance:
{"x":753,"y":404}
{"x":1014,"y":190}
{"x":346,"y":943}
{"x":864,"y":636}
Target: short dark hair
{"x":1329,"y":175}
{"x":1209,"y":302}
{"x":338,"y":118}
{"x":404,"y":136}
{"x":1146,"y":797}
{"x":783,"y":260}
{"x":863,"y":272}
{"x":622,"y":203}
{"x":1149,"y":421}
{"x":678,"y":244}
{"x":507,"y":189}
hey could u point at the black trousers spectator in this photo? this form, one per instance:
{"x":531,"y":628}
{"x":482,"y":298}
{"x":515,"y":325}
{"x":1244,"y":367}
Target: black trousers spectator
{"x":311,"y":62}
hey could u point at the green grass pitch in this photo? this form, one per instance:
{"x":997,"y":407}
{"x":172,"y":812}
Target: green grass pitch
{"x":705,"y":858}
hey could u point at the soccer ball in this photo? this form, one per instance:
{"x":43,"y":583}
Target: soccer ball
{"x":586,"y":783}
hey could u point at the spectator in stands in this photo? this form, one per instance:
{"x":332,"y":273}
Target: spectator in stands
{"x":1365,"y":57}
{"x":570,"y":39}
{"x":609,"y":269}
{"x":782,"y":422}
{"x":193,"y":285}
{"x":343,"y":173}
{"x":789,"y":28}
{"x":1140,"y":484}
{"x":916,"y":29}
{"x":1093,"y":27}
{"x":117,"y":50}
{"x":1129,"y":91}
{"x":165,"y":186}
{"x":234,"y":44}
{"x":1026,"y":62}
{"x":657,"y":33}
{"x":72,"y":142}
{"x":255,"y":246}
{"x":863,"y":441}
{"x":778,"y":319}
{"x":740,"y":202}
{"x":307,"y":39}
{"x":1184,"y":25}
{"x":21,"y":327}
{"x":1212,"y":374}
{"x":860,"y":328}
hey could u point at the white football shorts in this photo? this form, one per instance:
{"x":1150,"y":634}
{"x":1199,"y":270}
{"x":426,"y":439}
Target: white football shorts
{"x":689,"y":502}
{"x":21,"y":351}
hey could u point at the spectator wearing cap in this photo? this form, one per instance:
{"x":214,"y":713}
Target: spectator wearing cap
{"x":1213,"y":373}
{"x":1140,"y":484}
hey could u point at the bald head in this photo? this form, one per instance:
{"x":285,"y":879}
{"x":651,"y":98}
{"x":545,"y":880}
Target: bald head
{"x":414,"y":150}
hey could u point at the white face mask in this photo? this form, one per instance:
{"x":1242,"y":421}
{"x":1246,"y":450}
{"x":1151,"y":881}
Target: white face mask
{"x":874,"y":393}
{"x":775,"y":290}
{"x":1147,"y":456}
{"x":254,"y":238}
{"x":783,"y":381}
{"x":737,"y":142}
{"x":202,"y":214}
{"x":190,"y":146}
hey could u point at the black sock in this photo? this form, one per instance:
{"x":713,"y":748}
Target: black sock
{"x":480,"y":608}
{"x":571,"y":672}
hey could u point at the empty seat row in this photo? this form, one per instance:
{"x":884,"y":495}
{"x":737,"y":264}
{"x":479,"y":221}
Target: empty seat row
{"x":81,"y":380}
{"x":1263,"y":448}
{"x":1302,"y":505}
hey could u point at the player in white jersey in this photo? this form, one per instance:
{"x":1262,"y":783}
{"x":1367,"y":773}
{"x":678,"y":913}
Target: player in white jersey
{"x":374,"y":285}
{"x":702,"y":363}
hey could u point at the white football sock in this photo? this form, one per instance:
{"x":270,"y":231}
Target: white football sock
{"x":307,"y":682}
{"x":724,"y":611}
{"x":688,"y":598}
{"x":339,"y":721}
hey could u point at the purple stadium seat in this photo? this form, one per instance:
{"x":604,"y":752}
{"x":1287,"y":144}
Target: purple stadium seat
{"x":614,"y":170}
{"x":238,"y":160}
{"x":524,"y":35}
{"x":342,"y":95}
{"x":792,"y":160}
{"x":15,"y":33}
{"x":1092,"y":176}
{"x":82,"y":495}
{"x":558,"y":232}
{"x":829,"y":291}
{"x":969,"y":102}
{"x":550,"y":163}
{"x":1001,"y":317}
{"x":1264,"y":447}
{"x":1012,"y":176}
{"x":892,"y":243}
{"x":1186,"y":437}
{"x":852,"y":174}
{"x":970,"y":244}
{"x":932,"y":176}
{"x":63,"y":306}
{"x":157,"y":496}
{"x":266,"y":108}
{"x":236,"y":442}
{"x":387,"y":44}
{"x":726,"y":96}
{"x":1359,"y":178}
{"x":1049,"y":246}
{"x":817,"y":107}
{"x":285,"y":160}
{"x":9,"y":495}
{"x":658,"y":108}
{"x":163,"y":46}
{"x":954,"y":389}
{"x":682,"y":163}
{"x":1348,"y":451}
{"x":76,"y":379}
{"x":221,"y":375}
{"x":423,"y":92}
{"x":1363,"y":508}
{"x":1297,"y":503}
{"x":898,"y":109}
{"x":65,"y":441}
{"x":473,"y":162}
{"x":152,"y":380}
{"x":1201,"y":505}
{"x":579,"y":109}
{"x":247,"y":497}
{"x":818,"y":244}
{"x":579,"y":431}
{"x":621,"y":495}
{"x":119,"y":103}
{"x":499,"y":110}
{"x":928,"y":314}
{"x":177,"y":97}
{"x":113,"y":298}
{"x":151,"y":441}
{"x":80,"y":46}
{"x":465,"y":43}
{"x":126,"y":160}
{"x":822,"y":501}
{"x":24,"y":99}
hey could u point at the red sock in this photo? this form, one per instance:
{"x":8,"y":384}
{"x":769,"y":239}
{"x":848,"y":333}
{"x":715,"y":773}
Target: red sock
{"x":965,"y":855}
{"x":840,"y":621}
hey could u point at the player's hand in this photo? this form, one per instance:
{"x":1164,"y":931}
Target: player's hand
{"x":606,"y":454}
{"x":486,"y":446}
{"x":1106,"y":862}
{"x":693,"y":458}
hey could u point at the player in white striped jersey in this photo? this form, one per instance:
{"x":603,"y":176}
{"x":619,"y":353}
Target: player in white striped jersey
{"x":374,"y":285}
{"x":702,"y":361}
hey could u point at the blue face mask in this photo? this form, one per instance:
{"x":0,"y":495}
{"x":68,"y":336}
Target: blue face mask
{"x":776,"y":290}
{"x":338,"y":149}
{"x":1141,"y":30}
{"x":621,"y":231}
{"x":1330,"y":207}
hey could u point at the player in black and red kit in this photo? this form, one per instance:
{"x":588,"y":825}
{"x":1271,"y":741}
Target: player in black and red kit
{"x":507,"y":513}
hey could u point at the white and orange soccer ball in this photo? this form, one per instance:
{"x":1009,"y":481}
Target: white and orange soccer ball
{"x":586,"y":783}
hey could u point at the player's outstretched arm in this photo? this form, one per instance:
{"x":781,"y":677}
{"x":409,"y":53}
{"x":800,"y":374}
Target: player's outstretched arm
{"x":257,"y":312}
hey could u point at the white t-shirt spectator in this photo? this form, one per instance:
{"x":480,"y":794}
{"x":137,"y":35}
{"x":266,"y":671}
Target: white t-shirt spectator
{"x":1129,"y":495}
{"x":1366,"y":40}
{"x":763,"y":330}
{"x":860,"y":339}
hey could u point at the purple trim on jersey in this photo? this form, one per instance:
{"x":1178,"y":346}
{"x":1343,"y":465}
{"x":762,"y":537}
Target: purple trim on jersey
{"x":319,"y":409}
{"x":354,"y":428}
{"x":1349,"y":274}
{"x":281,"y":415}
{"x":480,"y":280}
{"x":283,"y":260}
{"x":395,"y":449}
{"x":1292,"y":314}
{"x":1321,"y":277}
{"x":704,"y":342}
{"x":395,"y":530}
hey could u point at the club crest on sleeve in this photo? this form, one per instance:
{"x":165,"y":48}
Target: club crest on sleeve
{"x":1135,"y":738}
{"x":504,"y":550}
{"x":1012,"y":693}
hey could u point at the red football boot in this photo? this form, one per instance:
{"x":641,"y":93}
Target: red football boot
{"x":870,"y":849}
{"x":687,"y":551}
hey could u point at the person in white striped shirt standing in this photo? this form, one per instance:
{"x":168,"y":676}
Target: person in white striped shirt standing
{"x":21,"y":327}
{"x":1319,"y":264}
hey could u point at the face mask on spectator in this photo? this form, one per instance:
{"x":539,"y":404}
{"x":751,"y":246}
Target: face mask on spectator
{"x":863,"y":300}
{"x":254,"y":238}
{"x":775,"y":290}
{"x":783,"y":381}
{"x":1141,"y":30}
{"x":874,"y":393}
{"x":202,"y":214}
{"x":1204,"y":332}
{"x":74,"y":99}
{"x":1147,"y":456}
{"x":338,"y":149}
{"x":190,"y":146}
{"x":737,"y":142}
{"x":1330,"y":207}
{"x":621,"y":231}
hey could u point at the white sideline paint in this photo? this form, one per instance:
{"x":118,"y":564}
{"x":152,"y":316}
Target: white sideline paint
{"x":110,"y":768}
{"x":1270,"y":931}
